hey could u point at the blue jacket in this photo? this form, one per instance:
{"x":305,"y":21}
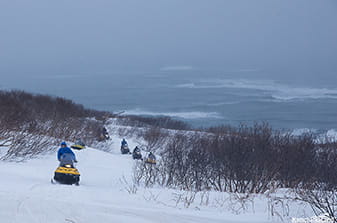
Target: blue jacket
{"x":64,"y":150}
{"x":124,"y":143}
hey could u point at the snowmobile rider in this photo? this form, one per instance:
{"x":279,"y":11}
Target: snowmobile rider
{"x":151,"y":156}
{"x":136,"y":154}
{"x":124,"y":143}
{"x":136,"y":149}
{"x":65,"y":155}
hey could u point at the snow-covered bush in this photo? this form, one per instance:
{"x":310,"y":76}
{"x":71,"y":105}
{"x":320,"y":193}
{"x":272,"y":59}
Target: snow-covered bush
{"x":29,"y":121}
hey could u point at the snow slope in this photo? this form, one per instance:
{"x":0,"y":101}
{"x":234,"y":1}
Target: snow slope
{"x":27,"y":196}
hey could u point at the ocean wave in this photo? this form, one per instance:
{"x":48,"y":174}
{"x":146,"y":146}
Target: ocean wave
{"x":320,"y":136}
{"x":222,"y":103}
{"x":327,"y":136}
{"x":331,"y":135}
{"x":184,"y":115}
{"x":302,"y":131}
{"x":276,"y":91}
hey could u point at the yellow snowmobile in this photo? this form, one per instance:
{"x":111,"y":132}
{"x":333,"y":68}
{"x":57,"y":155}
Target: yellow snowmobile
{"x":151,"y":159}
{"x":78,"y":145}
{"x":67,"y":174}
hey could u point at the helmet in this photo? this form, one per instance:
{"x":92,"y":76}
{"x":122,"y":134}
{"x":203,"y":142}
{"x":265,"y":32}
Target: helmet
{"x":63,"y":143}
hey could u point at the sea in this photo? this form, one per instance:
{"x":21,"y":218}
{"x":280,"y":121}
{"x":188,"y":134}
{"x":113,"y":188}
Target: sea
{"x":200,"y":98}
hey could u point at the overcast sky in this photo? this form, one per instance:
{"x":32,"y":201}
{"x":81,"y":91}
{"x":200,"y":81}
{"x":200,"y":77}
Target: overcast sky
{"x":288,"y":37}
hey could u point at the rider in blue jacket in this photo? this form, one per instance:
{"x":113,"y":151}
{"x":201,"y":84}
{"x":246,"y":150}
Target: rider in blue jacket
{"x":65,"y":154}
{"x":124,"y":142}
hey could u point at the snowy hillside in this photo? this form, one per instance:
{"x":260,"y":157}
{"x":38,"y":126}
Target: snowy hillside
{"x":26,"y":195}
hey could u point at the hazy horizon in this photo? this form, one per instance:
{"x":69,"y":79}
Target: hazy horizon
{"x":288,"y":38}
{"x":210,"y":62}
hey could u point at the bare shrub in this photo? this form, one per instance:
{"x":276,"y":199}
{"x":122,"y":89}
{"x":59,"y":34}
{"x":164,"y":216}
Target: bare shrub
{"x":240,"y":203}
{"x":146,"y":174}
{"x":132,"y":187}
{"x":26,"y":145}
{"x":321,"y":198}
{"x":187,"y":198}
{"x":204,"y":198}
{"x":247,"y":160}
{"x":5,"y":141}
{"x":278,"y":206}
{"x":154,"y":137}
{"x":27,"y":120}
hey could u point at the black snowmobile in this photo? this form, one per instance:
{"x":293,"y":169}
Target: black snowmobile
{"x":125,"y":149}
{"x":66,"y":173}
{"x":136,"y":154}
{"x":104,"y":135}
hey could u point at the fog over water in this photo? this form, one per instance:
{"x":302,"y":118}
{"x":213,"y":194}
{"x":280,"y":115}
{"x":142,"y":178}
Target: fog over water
{"x":206,"y":62}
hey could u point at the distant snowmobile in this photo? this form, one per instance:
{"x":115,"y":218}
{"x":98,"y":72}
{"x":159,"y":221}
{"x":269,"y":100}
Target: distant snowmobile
{"x":66,"y":173}
{"x":136,"y":154}
{"x":78,"y":145}
{"x":104,"y":135}
{"x":125,"y":149}
{"x":151,"y":159}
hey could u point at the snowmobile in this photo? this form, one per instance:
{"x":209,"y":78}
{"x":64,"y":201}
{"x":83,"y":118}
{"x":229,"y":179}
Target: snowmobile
{"x":136,"y":154}
{"x":78,"y":145}
{"x":104,"y":135}
{"x":151,"y":159}
{"x":125,"y":149}
{"x":67,"y":174}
